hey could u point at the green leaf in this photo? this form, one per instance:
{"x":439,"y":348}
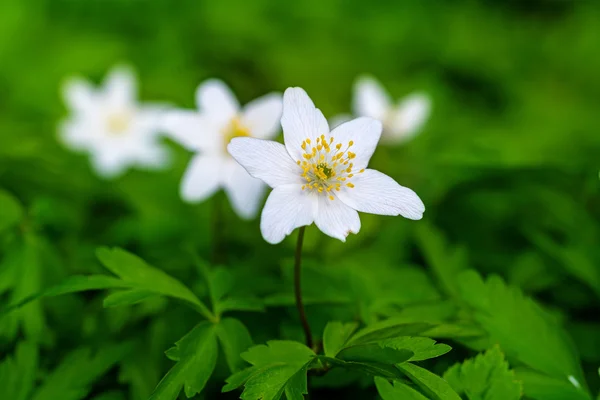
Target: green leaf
{"x":196,"y":356}
{"x":388,"y":328}
{"x":221,"y":283}
{"x":374,"y":353}
{"x":388,"y":371}
{"x":239,"y":304}
{"x":335,"y":336}
{"x":399,"y":390}
{"x":235,"y":339}
{"x":423,"y":348}
{"x":486,"y":376}
{"x":18,"y":374}
{"x":520,"y":326}
{"x":276,"y":366}
{"x":72,"y":379}
{"x":127,"y":297}
{"x":431,"y":384}
{"x":139,"y":275}
{"x":11,"y":211}
{"x":542,"y":387}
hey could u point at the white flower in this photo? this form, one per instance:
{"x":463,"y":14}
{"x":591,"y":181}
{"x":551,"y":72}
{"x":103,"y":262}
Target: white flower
{"x":401,"y":122}
{"x":320,"y":176}
{"x":109,"y":124}
{"x":209,"y":130}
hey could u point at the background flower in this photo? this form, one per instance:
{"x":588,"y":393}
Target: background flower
{"x":208,"y":131}
{"x":111,"y":126}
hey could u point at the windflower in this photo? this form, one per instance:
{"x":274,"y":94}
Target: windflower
{"x":111,"y":126}
{"x":321,"y":176}
{"x":208,"y":131}
{"x":401,"y":121}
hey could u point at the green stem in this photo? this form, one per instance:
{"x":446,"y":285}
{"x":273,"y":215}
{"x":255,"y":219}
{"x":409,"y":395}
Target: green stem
{"x":298,"y":288}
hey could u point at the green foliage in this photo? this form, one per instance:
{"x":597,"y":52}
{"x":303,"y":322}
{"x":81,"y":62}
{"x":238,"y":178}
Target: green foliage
{"x":486,"y":377}
{"x":434,"y":386}
{"x":11,"y":211}
{"x":18,"y":374}
{"x":396,"y":390}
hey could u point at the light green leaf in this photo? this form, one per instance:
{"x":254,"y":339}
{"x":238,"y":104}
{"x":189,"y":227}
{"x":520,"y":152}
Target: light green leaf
{"x":399,"y":391}
{"x":127,"y":297}
{"x":139,"y":275}
{"x":388,"y":328}
{"x":542,"y":387}
{"x":486,"y":376}
{"x":422,"y":347}
{"x":274,"y":367}
{"x":520,"y":326}
{"x":374,"y":353}
{"x":18,"y":374}
{"x":235,"y":339}
{"x":196,"y":356}
{"x":72,"y":379}
{"x":335,"y":336}
{"x":11,"y":211}
{"x":431,"y":384}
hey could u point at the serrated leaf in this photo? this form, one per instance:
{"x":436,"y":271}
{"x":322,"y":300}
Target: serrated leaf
{"x":139,"y":275}
{"x":274,"y":367}
{"x":18,"y":374}
{"x":11,"y":211}
{"x":72,"y":379}
{"x":235,"y":339}
{"x":520,"y":326}
{"x":127,"y":297}
{"x":297,"y":386}
{"x":335,"y":336}
{"x":434,"y":386}
{"x":397,"y":391}
{"x":542,"y":387}
{"x":423,"y":348}
{"x":374,"y":353}
{"x":196,"y":356}
{"x":388,"y":371}
{"x":387,"y":329}
{"x":486,"y":377}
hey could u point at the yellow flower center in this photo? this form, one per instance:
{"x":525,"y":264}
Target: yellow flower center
{"x":118,"y":123}
{"x":235,"y":128}
{"x":326,"y":166}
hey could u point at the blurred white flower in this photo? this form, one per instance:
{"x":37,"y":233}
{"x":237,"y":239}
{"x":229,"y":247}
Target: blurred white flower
{"x":208,"y":131}
{"x":401,"y":121}
{"x":111,"y":126}
{"x":320,"y":176}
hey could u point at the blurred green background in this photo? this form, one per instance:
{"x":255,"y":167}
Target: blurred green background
{"x":507,"y":165}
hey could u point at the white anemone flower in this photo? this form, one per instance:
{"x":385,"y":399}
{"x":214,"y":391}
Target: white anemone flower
{"x":321,"y":176}
{"x":111,"y":126}
{"x":208,"y":131}
{"x":401,"y":121}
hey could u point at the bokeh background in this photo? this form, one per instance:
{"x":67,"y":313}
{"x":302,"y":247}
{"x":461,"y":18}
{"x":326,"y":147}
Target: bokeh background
{"x":507,"y":165}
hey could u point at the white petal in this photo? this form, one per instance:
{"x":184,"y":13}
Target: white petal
{"x":192,"y":130}
{"x":262,"y":116}
{"x":300,"y":120}
{"x":266,"y":160}
{"x":216,"y":100}
{"x":370,"y":99}
{"x":110,"y":163}
{"x":202,"y":178}
{"x":411,"y":114}
{"x":120,"y":87}
{"x":365,"y":133}
{"x":336,"y":219}
{"x":288,"y":207}
{"x":377,"y":193}
{"x":244,"y":192}
{"x":339,"y":119}
{"x":79,"y":95}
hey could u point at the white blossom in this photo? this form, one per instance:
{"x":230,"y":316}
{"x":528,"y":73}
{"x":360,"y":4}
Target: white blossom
{"x":321,"y":176}
{"x":111,"y":126}
{"x":401,"y":121}
{"x":208,"y":130}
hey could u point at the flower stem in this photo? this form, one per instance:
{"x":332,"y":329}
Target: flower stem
{"x":298,"y":288}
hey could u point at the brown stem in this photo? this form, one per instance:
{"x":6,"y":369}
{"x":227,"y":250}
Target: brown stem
{"x":298,"y":288}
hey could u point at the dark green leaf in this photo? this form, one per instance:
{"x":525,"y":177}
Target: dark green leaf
{"x":374,"y":352}
{"x":422,"y":347}
{"x":235,"y":339}
{"x":18,"y":374}
{"x":542,"y":387}
{"x":335,"y":336}
{"x":127,"y":297}
{"x":431,"y":384}
{"x":239,"y":304}
{"x":399,"y":391}
{"x":196,"y":356}
{"x":370,"y":368}
{"x":485,"y":376}
{"x":387,"y":329}
{"x":11,"y":211}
